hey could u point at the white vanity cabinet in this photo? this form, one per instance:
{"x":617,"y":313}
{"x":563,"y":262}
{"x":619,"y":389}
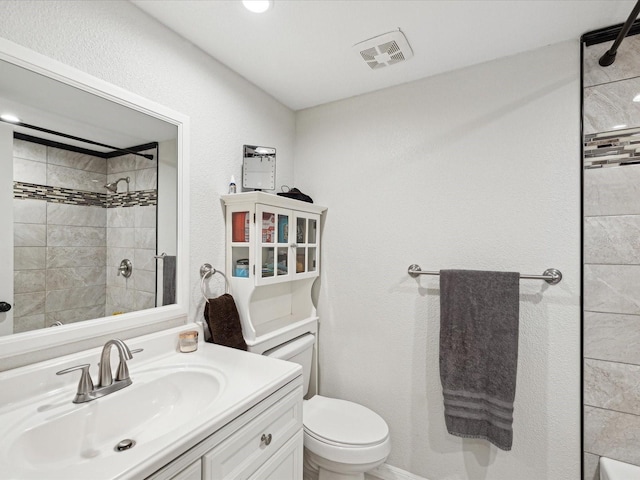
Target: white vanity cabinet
{"x":272,"y":260}
{"x":263,"y":443}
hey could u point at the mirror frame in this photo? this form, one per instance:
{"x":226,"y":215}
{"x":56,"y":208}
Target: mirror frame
{"x":37,"y":345}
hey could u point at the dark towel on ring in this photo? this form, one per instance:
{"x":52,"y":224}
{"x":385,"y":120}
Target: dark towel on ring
{"x":223,"y":320}
{"x":479,"y":353}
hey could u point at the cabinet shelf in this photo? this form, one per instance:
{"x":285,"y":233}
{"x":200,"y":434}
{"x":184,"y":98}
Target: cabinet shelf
{"x":274,"y":268}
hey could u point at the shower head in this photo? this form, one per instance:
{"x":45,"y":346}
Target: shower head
{"x":113,"y":186}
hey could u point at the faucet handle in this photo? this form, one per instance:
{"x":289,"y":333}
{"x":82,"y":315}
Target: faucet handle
{"x":85,"y":385}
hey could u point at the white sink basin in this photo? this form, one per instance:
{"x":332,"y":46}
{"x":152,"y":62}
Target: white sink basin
{"x":615,"y":470}
{"x":176,"y":400}
{"x":158,"y":402}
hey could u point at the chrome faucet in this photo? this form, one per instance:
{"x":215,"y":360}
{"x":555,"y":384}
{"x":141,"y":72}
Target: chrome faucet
{"x":105,"y":376}
{"x":106,"y":383}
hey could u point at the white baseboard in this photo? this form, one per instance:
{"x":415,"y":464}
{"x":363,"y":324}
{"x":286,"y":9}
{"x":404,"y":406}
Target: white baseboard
{"x":388,"y":472}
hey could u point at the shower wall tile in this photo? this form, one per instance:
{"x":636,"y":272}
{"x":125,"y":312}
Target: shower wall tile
{"x":123,"y":163}
{"x":611,"y":104}
{"x":29,"y":211}
{"x":145,"y":259}
{"x":120,"y":299}
{"x":29,"y":235}
{"x":145,"y":217}
{"x":121,"y":217}
{"x":65,"y":278}
{"x":142,"y":163}
{"x":612,"y":239}
{"x":115,"y":255}
{"x":591,"y":467}
{"x":145,"y":300}
{"x":29,"y":171}
{"x":74,"y":215}
{"x":58,"y":300}
{"x":59,"y":235}
{"x":612,"y":434}
{"x":121,"y":237}
{"x":612,"y":337}
{"x":144,"y":280}
{"x":26,"y":304}
{"x":625,"y":66}
{"x":612,"y":385}
{"x":75,"y":160}
{"x":26,"y":324}
{"x":60,"y":257}
{"x":147,"y":179}
{"x":612,"y":288}
{"x":29,"y":151}
{"x":612,"y":191}
{"x":75,"y":315}
{"x":29,"y":258}
{"x":27,"y":281}
{"x":75,"y":179}
{"x":145,"y":238}
{"x":115,"y":280}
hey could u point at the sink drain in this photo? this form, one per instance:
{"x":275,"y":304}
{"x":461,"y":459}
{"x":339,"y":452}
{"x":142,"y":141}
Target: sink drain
{"x":125,"y":444}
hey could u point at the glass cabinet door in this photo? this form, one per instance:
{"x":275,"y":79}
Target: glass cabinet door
{"x":240,"y":241}
{"x":306,"y":245}
{"x":273,"y":225}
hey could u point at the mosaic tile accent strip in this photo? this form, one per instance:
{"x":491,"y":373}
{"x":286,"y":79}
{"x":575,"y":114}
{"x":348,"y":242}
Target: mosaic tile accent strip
{"x":71,"y":196}
{"x":608,"y":149}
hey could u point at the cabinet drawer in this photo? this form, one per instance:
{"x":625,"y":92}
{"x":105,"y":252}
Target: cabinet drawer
{"x":285,"y":464}
{"x":242,"y":454}
{"x":192,"y":472}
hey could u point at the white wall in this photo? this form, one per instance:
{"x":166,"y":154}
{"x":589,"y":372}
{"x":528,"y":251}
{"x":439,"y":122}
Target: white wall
{"x":477,"y":169}
{"x":115,"y":41}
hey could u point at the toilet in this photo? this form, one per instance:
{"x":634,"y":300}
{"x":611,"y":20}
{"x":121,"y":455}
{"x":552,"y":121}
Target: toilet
{"x":342,"y":439}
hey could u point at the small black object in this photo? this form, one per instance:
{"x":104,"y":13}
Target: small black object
{"x":296,"y":195}
{"x":5,"y":307}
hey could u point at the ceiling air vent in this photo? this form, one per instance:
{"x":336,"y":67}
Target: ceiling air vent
{"x":385,"y":49}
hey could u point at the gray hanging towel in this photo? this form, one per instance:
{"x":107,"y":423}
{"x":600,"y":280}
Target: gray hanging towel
{"x":479,"y":353}
{"x":223,"y":320}
{"x":169,"y":280}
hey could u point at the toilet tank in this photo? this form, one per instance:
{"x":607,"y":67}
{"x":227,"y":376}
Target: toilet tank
{"x":300,"y":351}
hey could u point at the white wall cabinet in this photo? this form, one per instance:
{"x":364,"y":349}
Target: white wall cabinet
{"x":272,"y":260}
{"x":263,"y":443}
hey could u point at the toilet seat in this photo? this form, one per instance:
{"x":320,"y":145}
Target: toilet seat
{"x":344,"y":431}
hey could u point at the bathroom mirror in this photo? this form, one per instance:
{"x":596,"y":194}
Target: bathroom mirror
{"x":93,"y":232}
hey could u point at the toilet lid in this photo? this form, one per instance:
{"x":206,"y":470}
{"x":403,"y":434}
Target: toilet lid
{"x":343,"y":422}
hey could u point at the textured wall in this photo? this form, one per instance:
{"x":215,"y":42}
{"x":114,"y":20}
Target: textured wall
{"x":115,"y":41}
{"x":480,"y":169}
{"x":612,"y":258}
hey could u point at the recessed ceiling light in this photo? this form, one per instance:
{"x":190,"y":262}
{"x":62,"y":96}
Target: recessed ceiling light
{"x":9,"y":117}
{"x":257,"y":6}
{"x":636,"y":98}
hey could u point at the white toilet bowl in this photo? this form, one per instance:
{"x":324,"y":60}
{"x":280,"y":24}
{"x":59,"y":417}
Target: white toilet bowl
{"x":342,"y":439}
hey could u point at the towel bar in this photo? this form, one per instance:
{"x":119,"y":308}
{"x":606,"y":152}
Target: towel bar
{"x":551,"y":275}
{"x":206,"y":270}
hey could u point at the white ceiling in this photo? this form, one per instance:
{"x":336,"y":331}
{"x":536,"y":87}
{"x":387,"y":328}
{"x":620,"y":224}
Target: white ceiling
{"x":301,"y":53}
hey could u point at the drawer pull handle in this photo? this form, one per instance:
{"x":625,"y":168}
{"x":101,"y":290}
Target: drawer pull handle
{"x":266,"y":439}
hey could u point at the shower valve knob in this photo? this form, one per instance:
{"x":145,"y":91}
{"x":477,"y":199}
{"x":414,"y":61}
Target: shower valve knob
{"x":5,"y":307}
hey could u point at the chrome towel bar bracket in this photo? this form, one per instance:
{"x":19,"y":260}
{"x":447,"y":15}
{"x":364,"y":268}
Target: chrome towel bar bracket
{"x":552,"y":276}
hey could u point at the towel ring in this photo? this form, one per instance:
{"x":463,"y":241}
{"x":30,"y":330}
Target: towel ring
{"x":206,"y":270}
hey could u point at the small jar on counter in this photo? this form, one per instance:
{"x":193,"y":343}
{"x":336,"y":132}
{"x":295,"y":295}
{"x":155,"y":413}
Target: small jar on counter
{"x":188,"y":341}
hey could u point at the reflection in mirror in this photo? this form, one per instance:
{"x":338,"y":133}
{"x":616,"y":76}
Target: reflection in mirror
{"x":93,"y":204}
